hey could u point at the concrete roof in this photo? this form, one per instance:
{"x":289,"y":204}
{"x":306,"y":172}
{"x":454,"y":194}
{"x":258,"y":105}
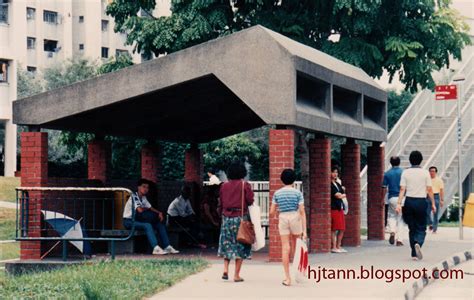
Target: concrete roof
{"x":218,"y":88}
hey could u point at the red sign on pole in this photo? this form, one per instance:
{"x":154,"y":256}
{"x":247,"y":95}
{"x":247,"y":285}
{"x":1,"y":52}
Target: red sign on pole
{"x":446,"y":92}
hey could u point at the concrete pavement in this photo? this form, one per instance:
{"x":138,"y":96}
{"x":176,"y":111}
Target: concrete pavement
{"x":263,"y":279}
{"x":6,"y":204}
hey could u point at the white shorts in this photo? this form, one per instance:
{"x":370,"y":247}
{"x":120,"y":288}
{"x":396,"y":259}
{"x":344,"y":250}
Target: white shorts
{"x":290,"y":223}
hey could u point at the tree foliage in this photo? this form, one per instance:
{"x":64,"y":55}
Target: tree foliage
{"x":406,"y":38}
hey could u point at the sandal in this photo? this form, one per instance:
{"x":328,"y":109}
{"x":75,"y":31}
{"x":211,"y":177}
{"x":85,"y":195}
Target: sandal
{"x":238,"y":280}
{"x":225,"y":276}
{"x":286,"y":283}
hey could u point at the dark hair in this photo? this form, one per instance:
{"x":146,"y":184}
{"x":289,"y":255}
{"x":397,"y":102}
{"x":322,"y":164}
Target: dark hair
{"x":433,"y":167}
{"x":334,"y":163}
{"x":334,"y":169}
{"x":211,"y":170}
{"x":416,"y":158}
{"x":143,"y":181}
{"x":288,"y":176}
{"x":236,"y":170}
{"x":186,"y":191}
{"x":395,"y":161}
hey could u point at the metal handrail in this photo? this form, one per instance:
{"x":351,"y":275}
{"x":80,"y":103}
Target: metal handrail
{"x":112,"y":240}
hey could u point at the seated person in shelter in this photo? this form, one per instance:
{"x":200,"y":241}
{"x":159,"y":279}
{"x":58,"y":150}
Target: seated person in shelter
{"x":181,"y":213}
{"x":209,"y":206}
{"x":147,"y":219}
{"x":213,"y":179}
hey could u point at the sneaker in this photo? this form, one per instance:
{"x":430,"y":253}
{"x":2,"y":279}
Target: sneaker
{"x":335,"y":250}
{"x":419,"y":255}
{"x":342,"y":250}
{"x":158,"y":251}
{"x":391,"y":240}
{"x":171,"y":250}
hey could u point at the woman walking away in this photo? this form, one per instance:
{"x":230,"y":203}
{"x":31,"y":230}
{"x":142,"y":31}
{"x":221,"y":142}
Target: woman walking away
{"x":291,"y":219}
{"x":231,"y":211}
{"x":338,"y":223}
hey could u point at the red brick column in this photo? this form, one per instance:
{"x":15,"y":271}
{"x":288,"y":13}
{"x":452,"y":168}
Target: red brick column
{"x":375,"y":201}
{"x":150,"y":162}
{"x":34,"y":173}
{"x":320,"y":194}
{"x":351,"y":181}
{"x":98,"y":160}
{"x":282,"y":156}
{"x":193,"y":167}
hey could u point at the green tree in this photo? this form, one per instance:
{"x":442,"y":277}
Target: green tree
{"x":115,"y":63}
{"x":27,"y":83}
{"x":218,"y":154}
{"x":69,"y":72}
{"x":405,"y":37}
{"x":397,"y":104}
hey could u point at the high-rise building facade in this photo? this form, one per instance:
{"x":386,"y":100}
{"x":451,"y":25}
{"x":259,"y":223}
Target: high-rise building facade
{"x":35,"y":34}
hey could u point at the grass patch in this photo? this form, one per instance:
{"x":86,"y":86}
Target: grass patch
{"x":9,"y":251}
{"x":448,"y":224}
{"x":7,"y":188}
{"x":363,"y":231}
{"x":7,"y":223}
{"x":124,"y":279}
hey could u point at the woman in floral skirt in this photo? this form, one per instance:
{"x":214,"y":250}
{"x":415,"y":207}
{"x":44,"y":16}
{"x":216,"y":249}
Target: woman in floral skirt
{"x":231,"y":210}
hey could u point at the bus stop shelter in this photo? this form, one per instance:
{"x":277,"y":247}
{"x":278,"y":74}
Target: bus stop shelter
{"x":229,"y":85}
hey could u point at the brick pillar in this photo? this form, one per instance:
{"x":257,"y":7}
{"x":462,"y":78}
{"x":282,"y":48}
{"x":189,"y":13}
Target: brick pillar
{"x":375,"y":201}
{"x":282,"y":156}
{"x":150,"y":162}
{"x":193,"y":172}
{"x":351,"y":180}
{"x":193,"y":167}
{"x":320,"y":194}
{"x":98,"y":160}
{"x":34,"y":173}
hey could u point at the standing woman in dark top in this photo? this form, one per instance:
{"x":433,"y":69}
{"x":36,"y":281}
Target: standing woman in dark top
{"x":231,"y":210}
{"x":338,"y":223}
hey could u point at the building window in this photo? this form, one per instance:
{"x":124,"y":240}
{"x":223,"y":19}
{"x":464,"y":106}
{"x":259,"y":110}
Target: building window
{"x":30,"y":13}
{"x":30,"y":43}
{"x":4,"y":11}
{"x":81,"y":19}
{"x":50,"y":45}
{"x":120,"y":52}
{"x":3,"y":71}
{"x":30,"y":69}
{"x":81,"y":46}
{"x":105,"y":52}
{"x":50,"y":17}
{"x":105,"y":25}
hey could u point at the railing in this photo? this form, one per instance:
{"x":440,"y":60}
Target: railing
{"x":94,"y":210}
{"x":421,"y":107}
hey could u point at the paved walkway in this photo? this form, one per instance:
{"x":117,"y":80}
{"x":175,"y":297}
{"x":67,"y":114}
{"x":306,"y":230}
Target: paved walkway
{"x":6,"y":204}
{"x":263,"y":279}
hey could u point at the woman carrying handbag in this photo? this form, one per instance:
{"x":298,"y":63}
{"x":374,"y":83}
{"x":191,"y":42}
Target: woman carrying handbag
{"x":235,"y":197}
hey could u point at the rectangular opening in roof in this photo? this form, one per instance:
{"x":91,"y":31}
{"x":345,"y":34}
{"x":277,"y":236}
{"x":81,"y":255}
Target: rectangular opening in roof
{"x":347,"y":106}
{"x":374,"y":113}
{"x":312,"y":95}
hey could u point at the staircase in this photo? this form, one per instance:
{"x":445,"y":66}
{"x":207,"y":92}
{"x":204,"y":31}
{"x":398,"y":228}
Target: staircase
{"x":431,"y":127}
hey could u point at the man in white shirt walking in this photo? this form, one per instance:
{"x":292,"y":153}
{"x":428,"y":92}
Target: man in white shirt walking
{"x":416,"y":182}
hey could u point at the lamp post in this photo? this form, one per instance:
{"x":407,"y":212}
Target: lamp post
{"x":459,"y":79}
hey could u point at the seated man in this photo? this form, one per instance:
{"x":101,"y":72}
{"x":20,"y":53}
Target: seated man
{"x":182,"y":214}
{"x":147,"y":219}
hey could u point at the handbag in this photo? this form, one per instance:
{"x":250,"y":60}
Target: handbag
{"x":346,"y":205}
{"x":246,"y":233}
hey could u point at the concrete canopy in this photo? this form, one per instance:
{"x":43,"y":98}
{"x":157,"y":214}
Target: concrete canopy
{"x":218,"y":88}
